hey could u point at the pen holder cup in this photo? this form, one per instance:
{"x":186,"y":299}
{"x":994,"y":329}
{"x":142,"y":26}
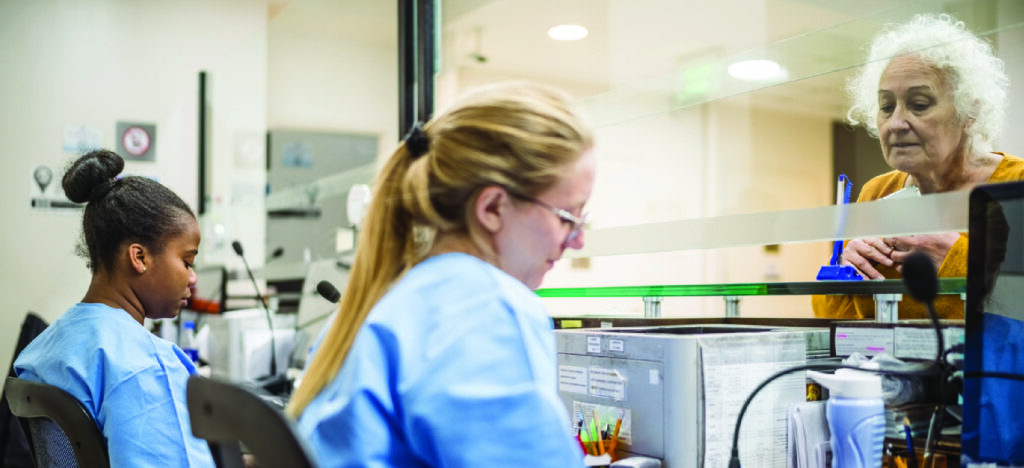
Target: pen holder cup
{"x":901,"y":461}
{"x":595,"y":449}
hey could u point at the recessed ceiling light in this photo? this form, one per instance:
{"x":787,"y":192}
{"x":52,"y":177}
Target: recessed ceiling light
{"x":756,"y":70}
{"x":567,"y":32}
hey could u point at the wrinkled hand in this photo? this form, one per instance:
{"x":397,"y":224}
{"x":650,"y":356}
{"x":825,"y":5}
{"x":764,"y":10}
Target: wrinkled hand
{"x":936,"y":246}
{"x":863,"y":254}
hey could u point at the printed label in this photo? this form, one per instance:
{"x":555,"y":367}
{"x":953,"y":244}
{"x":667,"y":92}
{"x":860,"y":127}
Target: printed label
{"x":607,"y":383}
{"x":572,"y":379}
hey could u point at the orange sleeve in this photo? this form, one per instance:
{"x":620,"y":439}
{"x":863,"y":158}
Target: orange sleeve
{"x":837,"y":307}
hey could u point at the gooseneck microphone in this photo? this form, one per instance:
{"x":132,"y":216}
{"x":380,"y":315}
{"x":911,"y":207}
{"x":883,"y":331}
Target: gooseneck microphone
{"x":922,"y":281}
{"x":328,"y":291}
{"x":266,"y":308}
{"x":920,"y":277}
{"x":276,"y":253}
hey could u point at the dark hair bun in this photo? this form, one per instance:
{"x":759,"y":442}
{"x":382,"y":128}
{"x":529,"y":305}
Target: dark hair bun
{"x":90,"y":176}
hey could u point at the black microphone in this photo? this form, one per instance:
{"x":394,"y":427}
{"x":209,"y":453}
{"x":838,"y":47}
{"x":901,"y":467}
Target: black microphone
{"x":266,"y":308}
{"x":328,"y":291}
{"x":922,"y":281}
{"x":920,"y":277}
{"x":276,"y":253}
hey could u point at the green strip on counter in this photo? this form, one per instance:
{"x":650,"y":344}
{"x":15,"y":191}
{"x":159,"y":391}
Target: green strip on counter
{"x":893,"y":286}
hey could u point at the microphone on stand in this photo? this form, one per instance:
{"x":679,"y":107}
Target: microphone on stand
{"x":328,"y":291}
{"x":276,"y":253}
{"x":922,"y":281}
{"x":273,"y":383}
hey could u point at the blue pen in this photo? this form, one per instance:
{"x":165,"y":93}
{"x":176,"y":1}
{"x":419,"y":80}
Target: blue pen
{"x":835,"y":270}
{"x":911,"y":457}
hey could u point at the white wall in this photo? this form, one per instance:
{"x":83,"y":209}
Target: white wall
{"x":95,"y":63}
{"x":333,"y":84}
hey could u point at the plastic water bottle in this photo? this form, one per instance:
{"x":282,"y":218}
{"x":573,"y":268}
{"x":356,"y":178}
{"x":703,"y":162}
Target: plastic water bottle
{"x":188,"y":337}
{"x":856,"y":417}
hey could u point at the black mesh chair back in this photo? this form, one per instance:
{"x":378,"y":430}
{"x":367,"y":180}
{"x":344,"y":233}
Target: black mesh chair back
{"x":50,"y":445}
{"x":14,"y":451}
{"x":60,"y":431}
{"x":230,"y":417}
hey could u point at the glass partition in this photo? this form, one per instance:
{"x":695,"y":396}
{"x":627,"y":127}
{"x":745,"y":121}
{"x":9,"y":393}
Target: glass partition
{"x":332,"y":114}
{"x":706,"y":177}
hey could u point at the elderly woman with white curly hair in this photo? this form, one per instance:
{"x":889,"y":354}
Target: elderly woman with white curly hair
{"x":934,"y":94}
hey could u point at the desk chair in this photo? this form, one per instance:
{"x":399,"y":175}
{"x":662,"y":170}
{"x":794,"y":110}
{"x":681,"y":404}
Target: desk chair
{"x":227,"y":416}
{"x":60,"y":431}
{"x":14,"y":451}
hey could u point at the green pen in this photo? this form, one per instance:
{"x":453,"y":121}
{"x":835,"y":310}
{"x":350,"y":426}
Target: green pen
{"x":588,"y":443}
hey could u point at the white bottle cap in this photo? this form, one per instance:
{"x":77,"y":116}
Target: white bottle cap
{"x":849,"y":383}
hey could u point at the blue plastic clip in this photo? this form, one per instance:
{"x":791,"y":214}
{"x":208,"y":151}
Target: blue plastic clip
{"x":834,"y":271}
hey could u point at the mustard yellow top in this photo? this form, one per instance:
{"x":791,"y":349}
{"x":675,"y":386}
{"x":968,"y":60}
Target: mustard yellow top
{"x":955,"y":264}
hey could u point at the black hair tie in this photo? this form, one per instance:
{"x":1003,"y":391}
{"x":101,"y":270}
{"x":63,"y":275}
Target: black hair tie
{"x":101,"y":190}
{"x":417,"y":141}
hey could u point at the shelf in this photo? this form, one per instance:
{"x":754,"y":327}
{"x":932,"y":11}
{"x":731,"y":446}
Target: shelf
{"x":896,"y":286}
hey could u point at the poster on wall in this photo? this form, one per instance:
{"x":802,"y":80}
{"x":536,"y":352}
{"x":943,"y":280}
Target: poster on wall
{"x":80,"y":139}
{"x":136,"y":141}
{"x":45,"y":192}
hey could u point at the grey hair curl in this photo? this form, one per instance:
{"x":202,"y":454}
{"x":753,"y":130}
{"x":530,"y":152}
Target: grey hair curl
{"x":976,"y":75}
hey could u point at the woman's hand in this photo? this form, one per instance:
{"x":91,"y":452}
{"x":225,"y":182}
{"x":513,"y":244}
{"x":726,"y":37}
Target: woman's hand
{"x":936,"y":246}
{"x":862,"y":252}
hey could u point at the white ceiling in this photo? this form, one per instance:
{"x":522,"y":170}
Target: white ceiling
{"x":637,"y":46}
{"x":650,"y":46}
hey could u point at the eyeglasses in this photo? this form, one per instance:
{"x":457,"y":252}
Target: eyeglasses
{"x":575,"y":223}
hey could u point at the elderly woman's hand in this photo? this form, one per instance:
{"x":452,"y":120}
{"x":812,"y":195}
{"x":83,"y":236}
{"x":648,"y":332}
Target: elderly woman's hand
{"x":936,"y":246}
{"x":862,"y":252}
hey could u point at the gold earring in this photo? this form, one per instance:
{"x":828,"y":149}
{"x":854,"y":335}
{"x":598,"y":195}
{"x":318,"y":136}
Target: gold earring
{"x":143,"y":269}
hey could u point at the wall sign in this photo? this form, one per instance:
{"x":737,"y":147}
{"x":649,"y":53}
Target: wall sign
{"x":80,"y":139}
{"x":136,"y":141}
{"x":45,"y":192}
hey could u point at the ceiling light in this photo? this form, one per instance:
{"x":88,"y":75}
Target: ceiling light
{"x":756,"y":70}
{"x":567,"y":32}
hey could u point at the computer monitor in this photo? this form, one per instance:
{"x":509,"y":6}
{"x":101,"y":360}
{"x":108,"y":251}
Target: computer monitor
{"x":993,"y":426}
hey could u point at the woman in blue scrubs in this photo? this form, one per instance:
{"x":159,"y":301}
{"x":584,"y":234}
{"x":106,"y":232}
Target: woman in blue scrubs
{"x":140,"y":240}
{"x":441,"y":354}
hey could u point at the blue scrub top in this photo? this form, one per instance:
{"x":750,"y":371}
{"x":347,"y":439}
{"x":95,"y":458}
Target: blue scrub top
{"x":131,"y":381}
{"x":454,"y":367}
